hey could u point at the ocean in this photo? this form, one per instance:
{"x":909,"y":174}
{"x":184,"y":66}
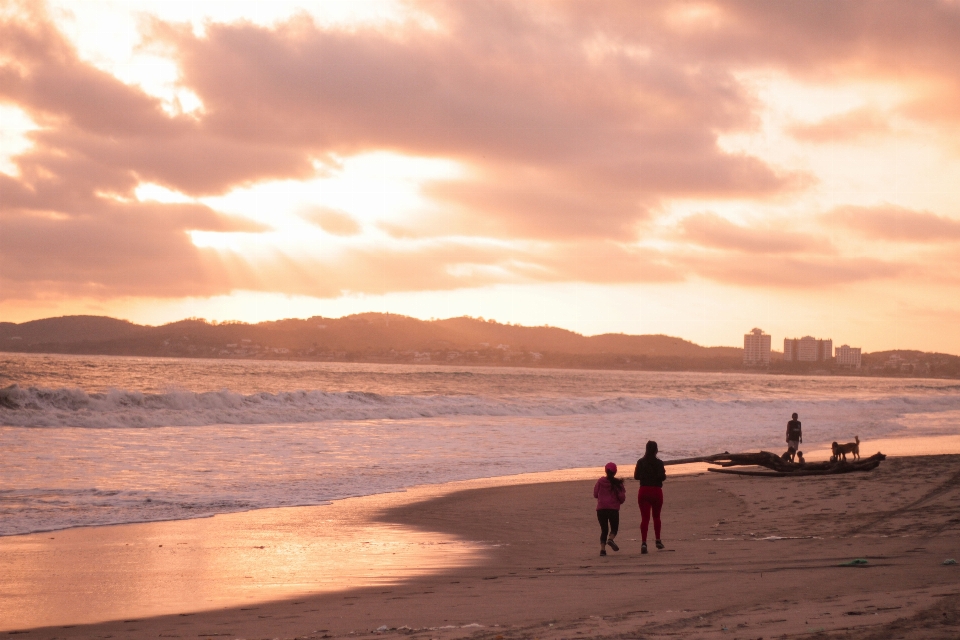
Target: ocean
{"x":93,"y":440}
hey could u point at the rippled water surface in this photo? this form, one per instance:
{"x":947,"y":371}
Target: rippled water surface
{"x":94,"y":439}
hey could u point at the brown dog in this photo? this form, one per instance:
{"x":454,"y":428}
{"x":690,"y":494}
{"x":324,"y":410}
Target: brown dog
{"x":843,"y":449}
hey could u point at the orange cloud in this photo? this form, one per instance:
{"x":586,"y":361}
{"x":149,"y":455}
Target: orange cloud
{"x":844,"y":127}
{"x":119,"y":249}
{"x":440,"y":265}
{"x":334,"y":221}
{"x":576,"y":125}
{"x":710,"y":230}
{"x":793,"y":272}
{"x":885,"y":38}
{"x":896,"y":224}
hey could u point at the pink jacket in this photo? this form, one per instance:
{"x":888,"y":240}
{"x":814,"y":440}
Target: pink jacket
{"x":607,"y":497}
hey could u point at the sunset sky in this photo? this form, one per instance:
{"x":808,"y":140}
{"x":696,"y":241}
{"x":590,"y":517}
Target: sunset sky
{"x":689,"y":168}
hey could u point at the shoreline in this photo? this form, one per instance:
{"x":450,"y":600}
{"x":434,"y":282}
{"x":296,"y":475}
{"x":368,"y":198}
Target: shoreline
{"x":891,"y":446}
{"x":241,"y":539}
{"x":514,"y":545}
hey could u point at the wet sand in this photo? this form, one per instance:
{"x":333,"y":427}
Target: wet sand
{"x":746,"y":558}
{"x":96,"y":574}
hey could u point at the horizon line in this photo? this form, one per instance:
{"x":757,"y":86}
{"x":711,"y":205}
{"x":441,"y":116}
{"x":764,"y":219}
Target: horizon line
{"x":433,"y":319}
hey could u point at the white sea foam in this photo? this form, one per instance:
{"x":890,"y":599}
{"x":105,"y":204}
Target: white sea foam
{"x":39,"y":407}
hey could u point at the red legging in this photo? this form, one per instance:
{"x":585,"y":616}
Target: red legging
{"x":647,"y":498}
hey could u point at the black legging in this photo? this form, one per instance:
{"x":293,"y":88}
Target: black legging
{"x":609,"y":522}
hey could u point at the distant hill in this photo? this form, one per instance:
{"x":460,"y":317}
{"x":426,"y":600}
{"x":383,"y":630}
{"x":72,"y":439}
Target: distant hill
{"x":378,"y":337}
{"x":364,"y":337}
{"x":910,"y":362}
{"x":68,"y":329}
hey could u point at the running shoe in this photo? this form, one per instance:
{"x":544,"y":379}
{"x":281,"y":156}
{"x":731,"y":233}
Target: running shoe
{"x":613,"y":545}
{"x":603,"y":552}
{"x":660,"y":544}
{"x":643,"y":548}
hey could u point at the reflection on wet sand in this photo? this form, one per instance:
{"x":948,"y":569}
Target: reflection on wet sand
{"x":131,"y":571}
{"x":118,"y":572}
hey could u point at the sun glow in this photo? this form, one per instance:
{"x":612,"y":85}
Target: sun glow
{"x":148,"y":191}
{"x":370,"y":188}
{"x":15,"y":127}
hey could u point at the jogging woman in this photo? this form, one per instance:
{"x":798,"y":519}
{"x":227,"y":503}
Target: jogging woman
{"x":610,"y":494}
{"x":651,"y":474}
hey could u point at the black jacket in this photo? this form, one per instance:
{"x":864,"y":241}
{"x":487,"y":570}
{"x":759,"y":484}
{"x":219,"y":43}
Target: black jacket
{"x":650,"y":472}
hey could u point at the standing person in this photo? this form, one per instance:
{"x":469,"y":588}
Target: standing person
{"x":610,"y":494}
{"x":794,"y":437}
{"x":651,"y":474}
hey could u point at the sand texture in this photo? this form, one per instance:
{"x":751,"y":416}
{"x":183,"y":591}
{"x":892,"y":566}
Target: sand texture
{"x":746,"y":558}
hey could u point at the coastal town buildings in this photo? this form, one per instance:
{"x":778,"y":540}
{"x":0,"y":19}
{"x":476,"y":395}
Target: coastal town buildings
{"x":848,"y":356}
{"x":756,"y":348}
{"x":807,"y":349}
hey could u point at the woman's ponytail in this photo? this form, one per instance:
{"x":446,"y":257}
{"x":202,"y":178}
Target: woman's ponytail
{"x":615,"y":483}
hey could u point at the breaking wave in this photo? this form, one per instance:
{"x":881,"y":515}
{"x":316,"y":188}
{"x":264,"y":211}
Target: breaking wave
{"x":72,"y":407}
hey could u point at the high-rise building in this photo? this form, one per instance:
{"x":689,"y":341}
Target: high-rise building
{"x":848,"y":356}
{"x":756,"y":347}
{"x":825,"y":350}
{"x":807,"y":349}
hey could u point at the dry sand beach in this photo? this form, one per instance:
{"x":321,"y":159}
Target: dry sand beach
{"x":745,"y":558}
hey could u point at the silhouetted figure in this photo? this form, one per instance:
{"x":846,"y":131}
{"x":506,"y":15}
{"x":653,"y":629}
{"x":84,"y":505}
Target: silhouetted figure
{"x":651,"y":474}
{"x":610,"y":494}
{"x":794,"y":437}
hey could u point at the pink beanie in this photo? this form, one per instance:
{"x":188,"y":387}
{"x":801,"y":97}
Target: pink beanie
{"x":611,"y":468}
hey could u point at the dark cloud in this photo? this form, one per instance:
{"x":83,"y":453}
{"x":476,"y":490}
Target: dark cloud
{"x":120,"y":250}
{"x":815,"y":39}
{"x":895,"y":224}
